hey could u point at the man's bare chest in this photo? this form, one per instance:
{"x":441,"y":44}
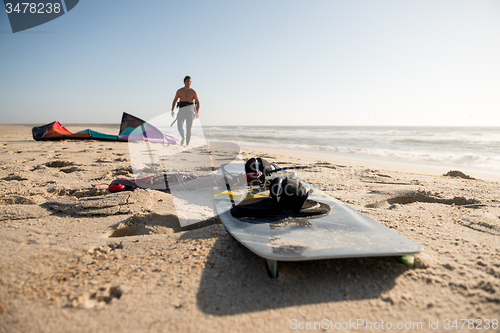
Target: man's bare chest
{"x":188,"y":95}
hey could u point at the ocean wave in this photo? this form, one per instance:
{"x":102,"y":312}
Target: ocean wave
{"x":468,"y":147}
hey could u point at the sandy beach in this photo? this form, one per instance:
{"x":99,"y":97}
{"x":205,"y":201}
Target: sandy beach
{"x":77,"y":258}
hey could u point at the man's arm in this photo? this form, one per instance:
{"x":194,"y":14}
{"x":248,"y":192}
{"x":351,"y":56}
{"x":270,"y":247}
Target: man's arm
{"x":177,"y":95}
{"x":197,"y":103}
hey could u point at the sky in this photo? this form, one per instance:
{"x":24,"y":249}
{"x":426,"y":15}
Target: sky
{"x":360,"y":62}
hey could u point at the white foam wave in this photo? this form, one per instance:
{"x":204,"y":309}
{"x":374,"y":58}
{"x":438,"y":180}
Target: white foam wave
{"x":471,"y":147}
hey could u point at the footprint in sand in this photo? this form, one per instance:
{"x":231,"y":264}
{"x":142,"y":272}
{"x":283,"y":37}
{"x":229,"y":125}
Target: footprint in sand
{"x":61,"y":191}
{"x":98,"y":299}
{"x":487,"y":224}
{"x":21,"y":200}
{"x":71,"y":169}
{"x":203,"y":169}
{"x":64,"y":166}
{"x":152,"y":168}
{"x":59,"y":164}
{"x":122,"y":171}
{"x":22,"y":212}
{"x":412,"y":197}
{"x":14,"y":177}
{"x":103,"y":160}
{"x":149,"y":224}
{"x":155,"y":224}
{"x":118,"y":203}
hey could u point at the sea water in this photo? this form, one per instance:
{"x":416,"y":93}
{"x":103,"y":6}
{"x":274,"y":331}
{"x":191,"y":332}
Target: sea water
{"x":469,"y":148}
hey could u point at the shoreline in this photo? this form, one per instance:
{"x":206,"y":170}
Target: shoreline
{"x":374,"y":163}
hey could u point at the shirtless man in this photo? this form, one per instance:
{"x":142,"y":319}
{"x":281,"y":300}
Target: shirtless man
{"x":189,"y":108}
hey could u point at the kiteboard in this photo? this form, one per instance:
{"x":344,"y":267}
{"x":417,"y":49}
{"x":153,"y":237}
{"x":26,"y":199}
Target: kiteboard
{"x":341,"y":233}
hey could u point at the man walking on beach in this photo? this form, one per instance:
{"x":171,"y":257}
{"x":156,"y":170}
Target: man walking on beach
{"x":189,"y":108}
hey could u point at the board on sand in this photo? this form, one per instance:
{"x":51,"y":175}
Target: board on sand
{"x":342,"y":233}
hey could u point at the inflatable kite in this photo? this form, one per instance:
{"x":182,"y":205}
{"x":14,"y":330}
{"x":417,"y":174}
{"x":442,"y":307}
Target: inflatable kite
{"x":131,"y":129}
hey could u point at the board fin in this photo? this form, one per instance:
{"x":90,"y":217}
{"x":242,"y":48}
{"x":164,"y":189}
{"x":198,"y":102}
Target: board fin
{"x":407,"y":260}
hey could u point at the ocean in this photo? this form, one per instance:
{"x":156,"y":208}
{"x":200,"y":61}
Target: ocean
{"x":467,"y":148}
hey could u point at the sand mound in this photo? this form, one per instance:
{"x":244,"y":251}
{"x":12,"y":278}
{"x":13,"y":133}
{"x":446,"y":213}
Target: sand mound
{"x":457,"y":174}
{"x":141,"y":224}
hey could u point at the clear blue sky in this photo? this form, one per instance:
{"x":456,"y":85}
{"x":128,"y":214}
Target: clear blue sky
{"x":287,"y":62}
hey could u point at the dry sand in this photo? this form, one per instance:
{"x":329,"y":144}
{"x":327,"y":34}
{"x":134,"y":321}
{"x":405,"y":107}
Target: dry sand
{"x":76,"y":258}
